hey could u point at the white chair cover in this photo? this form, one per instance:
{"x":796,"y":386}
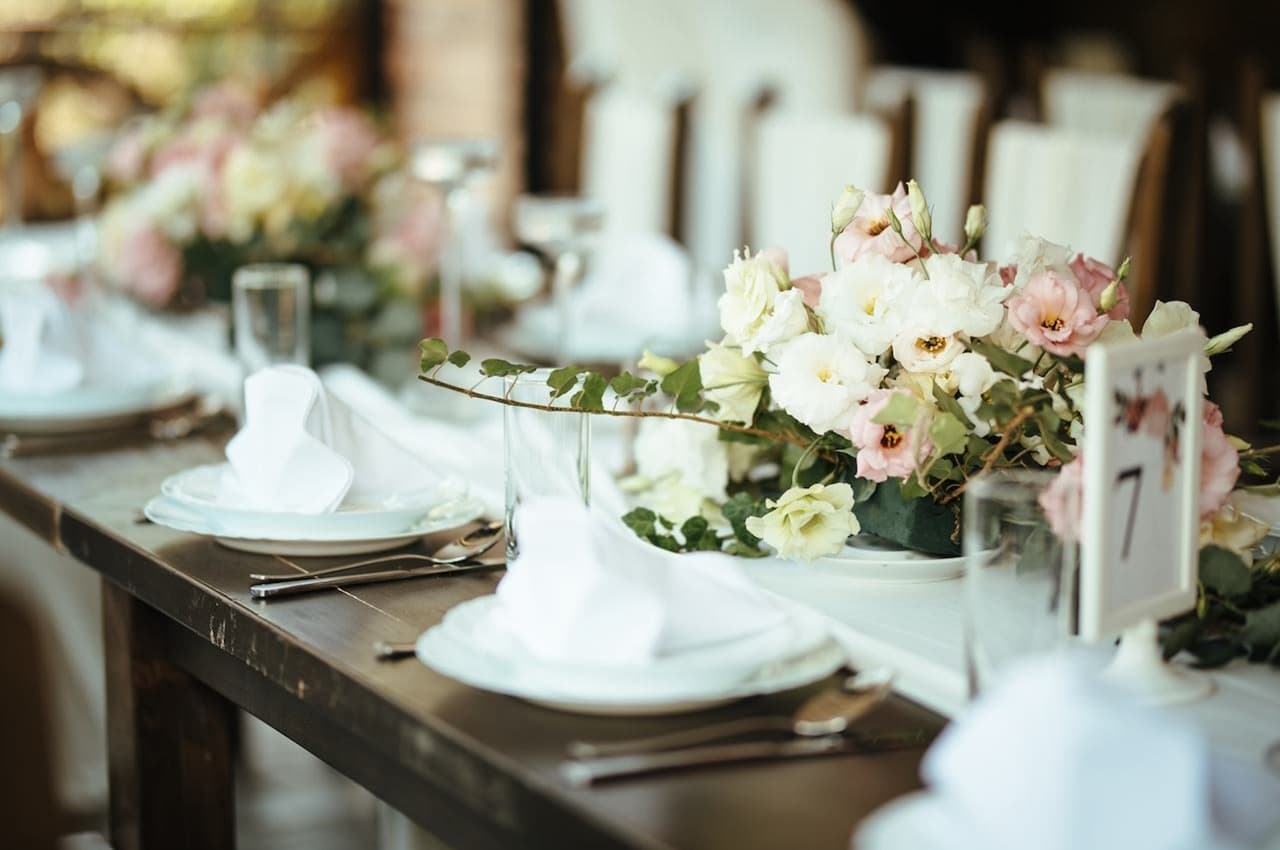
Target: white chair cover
{"x":947,"y":106}
{"x":1067,"y":186}
{"x":1271,"y":180}
{"x":628,"y":158}
{"x":803,"y":161}
{"x":1099,"y":102}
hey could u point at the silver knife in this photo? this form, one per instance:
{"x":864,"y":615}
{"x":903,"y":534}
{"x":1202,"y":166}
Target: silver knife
{"x":581,"y":773}
{"x":270,"y":589}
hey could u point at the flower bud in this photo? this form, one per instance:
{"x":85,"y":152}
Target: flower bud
{"x":1223,"y":341}
{"x":844,"y":209}
{"x":659,"y":365}
{"x":1107,"y":300}
{"x":975,"y":223}
{"x":1124,"y":270}
{"x":920,"y":210}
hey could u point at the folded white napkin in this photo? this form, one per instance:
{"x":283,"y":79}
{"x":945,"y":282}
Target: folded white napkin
{"x":42,"y":352}
{"x":586,"y":590}
{"x":302,"y":451}
{"x":1054,"y":759}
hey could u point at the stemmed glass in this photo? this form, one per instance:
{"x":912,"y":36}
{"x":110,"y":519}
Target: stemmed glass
{"x":561,"y":227}
{"x":80,"y":164}
{"x":18,"y":89}
{"x":451,"y":165}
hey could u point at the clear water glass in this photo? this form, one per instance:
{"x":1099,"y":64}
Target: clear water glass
{"x":547,"y":453}
{"x":271,"y":311}
{"x":1020,"y":577}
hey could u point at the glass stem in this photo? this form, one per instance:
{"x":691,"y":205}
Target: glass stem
{"x":451,"y":270}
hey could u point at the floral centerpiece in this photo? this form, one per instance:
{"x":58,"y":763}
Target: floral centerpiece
{"x":866,"y":399}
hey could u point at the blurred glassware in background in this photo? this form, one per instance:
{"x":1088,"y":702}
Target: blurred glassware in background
{"x":562,"y":227}
{"x":271,"y":315}
{"x":1020,"y":577}
{"x":546,"y":454}
{"x":19,"y":87}
{"x":80,"y":164}
{"x":451,"y":165}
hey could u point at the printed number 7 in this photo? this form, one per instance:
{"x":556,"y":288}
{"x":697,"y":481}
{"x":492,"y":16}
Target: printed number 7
{"x":1134,"y":472}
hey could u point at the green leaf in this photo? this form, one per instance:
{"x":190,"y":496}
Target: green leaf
{"x":1010,"y":364}
{"x":900,"y":412}
{"x":627,"y":383}
{"x":1179,"y":636}
{"x":1262,"y":627}
{"x":948,"y":404}
{"x":920,"y":524}
{"x":434,"y":352}
{"x":496,"y":368}
{"x":1056,"y":447}
{"x":1214,"y":652}
{"x":912,"y":489}
{"x":1223,"y":572}
{"x":685,"y":386}
{"x":591,"y":396}
{"x":741,"y":550}
{"x":737,"y":510}
{"x":947,"y":433}
{"x":642,"y":521}
{"x":563,"y":380}
{"x":459,"y":358}
{"x":699,"y":536}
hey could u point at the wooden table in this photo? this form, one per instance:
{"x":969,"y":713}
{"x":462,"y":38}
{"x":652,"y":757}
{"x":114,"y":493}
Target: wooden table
{"x":185,"y":644}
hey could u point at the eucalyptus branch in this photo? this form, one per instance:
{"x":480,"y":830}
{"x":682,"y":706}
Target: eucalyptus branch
{"x":992,"y":456}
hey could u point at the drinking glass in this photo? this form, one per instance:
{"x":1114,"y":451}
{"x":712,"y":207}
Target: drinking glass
{"x":547,"y":453}
{"x":1020,"y":577}
{"x":271,"y":308}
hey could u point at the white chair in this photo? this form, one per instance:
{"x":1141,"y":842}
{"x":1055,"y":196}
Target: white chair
{"x":1270,"y":126}
{"x":949,"y":117}
{"x":802,"y":162}
{"x":628,"y":159}
{"x":1068,"y":186}
{"x":1100,"y":102}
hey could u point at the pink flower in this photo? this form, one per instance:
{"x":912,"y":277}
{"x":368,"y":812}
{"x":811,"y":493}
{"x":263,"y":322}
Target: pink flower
{"x":871,"y":231}
{"x":810,"y":287}
{"x":1219,"y":462}
{"x":1009,"y":273}
{"x":1155,"y":416}
{"x":1063,"y":501}
{"x":229,"y":100}
{"x":883,"y":450}
{"x":1055,"y":312}
{"x":348,"y":140}
{"x":150,"y":267}
{"x":128,"y":156}
{"x":1095,"y":276}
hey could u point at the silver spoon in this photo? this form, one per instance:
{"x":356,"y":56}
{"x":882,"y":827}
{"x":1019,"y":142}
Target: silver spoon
{"x":471,"y":545}
{"x":829,"y":712}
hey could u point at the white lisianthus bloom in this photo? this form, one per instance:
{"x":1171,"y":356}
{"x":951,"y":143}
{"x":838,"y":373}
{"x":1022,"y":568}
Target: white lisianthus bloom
{"x":170,"y":199}
{"x":821,"y":379}
{"x":680,"y":465}
{"x":920,"y":384}
{"x":861,"y":301}
{"x":751,"y":284}
{"x":926,"y":350}
{"x":1035,"y":444}
{"x":733,"y":381}
{"x":1117,"y":332}
{"x":786,"y":320}
{"x":1035,"y":255}
{"x":253,"y":182}
{"x":970,"y":404}
{"x":959,"y":297}
{"x":973,"y":374}
{"x":1009,"y":338}
{"x":808,"y":522}
{"x":669,"y":497}
{"x":1169,"y":317}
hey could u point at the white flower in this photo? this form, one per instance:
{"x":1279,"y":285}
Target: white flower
{"x":970,"y":404}
{"x":821,"y":379}
{"x":787,"y":319}
{"x":751,"y":285}
{"x":845,"y":208}
{"x":733,"y":381}
{"x":1232,"y":528}
{"x":927,"y":351}
{"x":1117,"y":332}
{"x":1170,"y":317}
{"x":669,"y":497}
{"x":959,"y":297}
{"x":973,"y":374}
{"x":1035,"y":444}
{"x":170,"y":199}
{"x":681,"y":464}
{"x":859,"y":301}
{"x":808,"y":522}
{"x":253,"y":183}
{"x":1036,"y":255}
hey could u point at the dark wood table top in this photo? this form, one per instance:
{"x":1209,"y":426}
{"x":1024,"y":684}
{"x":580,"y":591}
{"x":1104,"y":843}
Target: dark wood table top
{"x":478,"y":769}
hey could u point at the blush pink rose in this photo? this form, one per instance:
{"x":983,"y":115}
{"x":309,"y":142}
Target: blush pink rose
{"x":348,"y":139}
{"x":810,"y":287}
{"x":883,"y":451}
{"x":1095,"y":276}
{"x":1055,"y":312}
{"x":870,"y":231}
{"x":1063,"y":501}
{"x":1219,"y":463}
{"x":150,"y":267}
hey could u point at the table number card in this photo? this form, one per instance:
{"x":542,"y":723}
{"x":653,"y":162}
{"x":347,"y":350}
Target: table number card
{"x":1142,"y":477}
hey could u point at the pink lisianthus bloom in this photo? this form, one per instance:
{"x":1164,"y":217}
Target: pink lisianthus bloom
{"x":1219,"y":462}
{"x":348,"y":140}
{"x":1063,"y":501}
{"x":1095,"y":276}
{"x":1008,"y":274}
{"x":810,"y":287}
{"x":884,"y":451}
{"x":150,"y":267}
{"x":1056,"y":313}
{"x":871,"y":231}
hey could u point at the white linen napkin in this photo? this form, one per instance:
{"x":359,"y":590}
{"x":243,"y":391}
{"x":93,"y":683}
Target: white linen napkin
{"x":1052,"y":758}
{"x":42,"y":353}
{"x":302,"y":451}
{"x":586,"y":590}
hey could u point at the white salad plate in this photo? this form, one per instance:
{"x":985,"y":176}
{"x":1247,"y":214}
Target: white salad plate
{"x":870,"y":559}
{"x":471,"y":645}
{"x":88,"y":408}
{"x":258,"y":538}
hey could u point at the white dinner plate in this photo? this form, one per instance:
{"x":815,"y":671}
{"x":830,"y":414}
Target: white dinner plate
{"x":869,"y":559}
{"x":208,"y":492}
{"x":164,"y":511}
{"x":689,"y":682}
{"x":88,"y":408}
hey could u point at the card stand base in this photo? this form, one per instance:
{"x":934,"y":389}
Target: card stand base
{"x":1139,"y":669}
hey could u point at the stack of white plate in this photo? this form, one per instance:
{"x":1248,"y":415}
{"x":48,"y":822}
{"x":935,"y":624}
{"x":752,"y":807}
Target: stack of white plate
{"x":206,"y":500}
{"x":89,"y":407}
{"x":473,"y":646}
